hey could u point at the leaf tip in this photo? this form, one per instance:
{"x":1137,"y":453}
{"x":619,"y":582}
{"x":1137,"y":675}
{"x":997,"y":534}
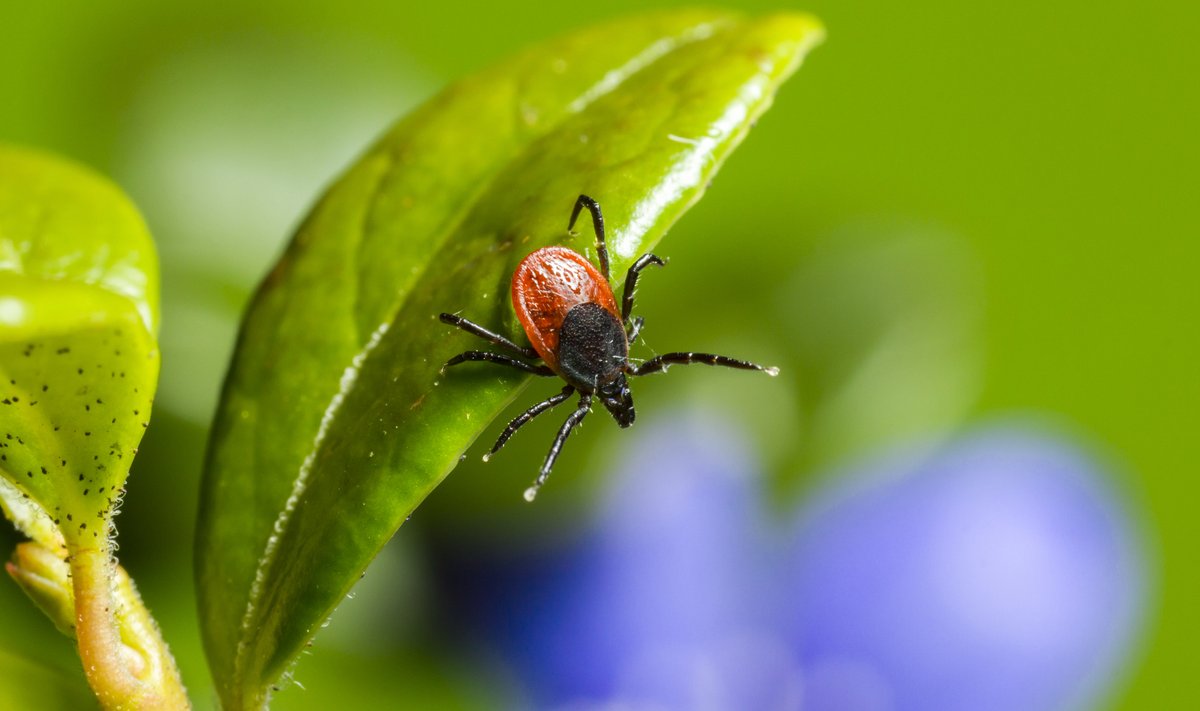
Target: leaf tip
{"x":793,"y":34}
{"x":805,"y":27}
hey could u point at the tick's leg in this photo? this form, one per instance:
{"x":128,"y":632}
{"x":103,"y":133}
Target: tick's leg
{"x":635,"y":328}
{"x":598,"y":225}
{"x":476,"y":330}
{"x":497,"y":358}
{"x":520,"y":420}
{"x":631,"y":283}
{"x":585,"y":404}
{"x":660,"y":363}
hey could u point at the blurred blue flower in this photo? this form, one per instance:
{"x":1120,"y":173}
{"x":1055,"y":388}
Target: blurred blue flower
{"x":998,"y":572}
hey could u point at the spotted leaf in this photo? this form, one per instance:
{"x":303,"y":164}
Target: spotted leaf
{"x":78,"y":355}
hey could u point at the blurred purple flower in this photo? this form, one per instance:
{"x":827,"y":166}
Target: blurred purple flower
{"x":998,"y":573}
{"x":995,"y":573}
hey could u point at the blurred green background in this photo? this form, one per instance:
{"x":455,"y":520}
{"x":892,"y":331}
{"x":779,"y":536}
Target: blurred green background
{"x":1019,"y":175}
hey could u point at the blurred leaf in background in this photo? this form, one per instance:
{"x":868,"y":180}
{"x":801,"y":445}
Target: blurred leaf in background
{"x":1050,"y":145}
{"x":883,"y":322}
{"x":28,"y":685}
{"x":227,"y":170}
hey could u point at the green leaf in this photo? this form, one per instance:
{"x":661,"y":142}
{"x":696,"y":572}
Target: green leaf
{"x":46,"y":579}
{"x":335,"y":424}
{"x":78,"y":354}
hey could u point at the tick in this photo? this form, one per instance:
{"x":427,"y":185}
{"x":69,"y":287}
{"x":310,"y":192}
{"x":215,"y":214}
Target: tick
{"x":568,"y":311}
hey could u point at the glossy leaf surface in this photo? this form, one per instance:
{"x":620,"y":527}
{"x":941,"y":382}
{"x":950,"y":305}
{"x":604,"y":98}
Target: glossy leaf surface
{"x":78,"y":353}
{"x":335,"y":423}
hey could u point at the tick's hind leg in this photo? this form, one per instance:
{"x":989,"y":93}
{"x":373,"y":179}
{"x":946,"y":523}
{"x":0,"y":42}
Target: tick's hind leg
{"x":522,"y":419}
{"x":476,"y":330}
{"x":585,"y":404}
{"x":660,"y":363}
{"x":499,"y":358}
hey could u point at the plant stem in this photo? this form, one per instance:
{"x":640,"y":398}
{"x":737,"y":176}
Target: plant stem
{"x":100,"y":647}
{"x":126,"y":662}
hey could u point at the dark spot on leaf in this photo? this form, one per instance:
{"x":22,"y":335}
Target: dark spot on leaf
{"x":87,"y":434}
{"x":85,"y":491}
{"x":61,"y":351}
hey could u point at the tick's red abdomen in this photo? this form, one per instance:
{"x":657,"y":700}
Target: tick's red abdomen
{"x":546,"y":285}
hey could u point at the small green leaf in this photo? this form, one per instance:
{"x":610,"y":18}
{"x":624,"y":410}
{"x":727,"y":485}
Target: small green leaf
{"x":46,"y":579}
{"x":78,"y":355}
{"x":335,"y":424}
